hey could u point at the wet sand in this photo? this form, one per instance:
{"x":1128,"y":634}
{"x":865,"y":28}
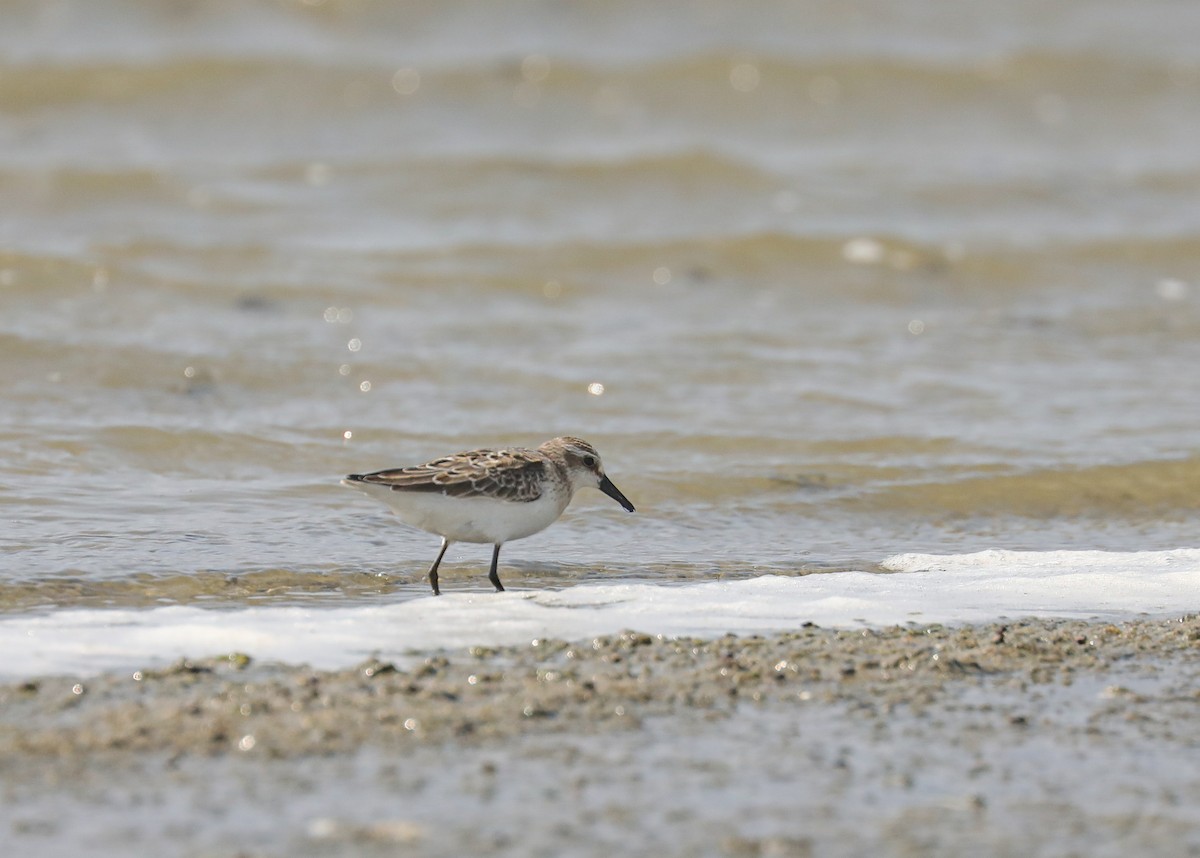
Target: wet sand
{"x":1032,"y":737}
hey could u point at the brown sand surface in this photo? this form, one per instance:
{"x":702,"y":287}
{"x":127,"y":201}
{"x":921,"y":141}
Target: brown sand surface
{"x":1034,"y":737}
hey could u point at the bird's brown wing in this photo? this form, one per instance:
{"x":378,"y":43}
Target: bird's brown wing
{"x":514,"y":475}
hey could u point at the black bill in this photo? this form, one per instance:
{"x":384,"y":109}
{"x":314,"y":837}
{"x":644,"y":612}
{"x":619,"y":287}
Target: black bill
{"x":613,"y":492}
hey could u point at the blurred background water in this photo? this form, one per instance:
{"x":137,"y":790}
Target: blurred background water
{"x":823,"y":281}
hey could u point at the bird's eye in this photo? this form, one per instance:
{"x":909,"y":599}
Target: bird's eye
{"x":589,"y":461}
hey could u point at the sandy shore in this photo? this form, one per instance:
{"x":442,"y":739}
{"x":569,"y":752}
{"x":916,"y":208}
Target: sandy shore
{"x":1042,"y":737}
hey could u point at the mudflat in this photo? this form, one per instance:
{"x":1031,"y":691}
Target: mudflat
{"x":1030,"y":737}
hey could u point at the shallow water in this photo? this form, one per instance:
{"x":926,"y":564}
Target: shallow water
{"x":854,"y":282}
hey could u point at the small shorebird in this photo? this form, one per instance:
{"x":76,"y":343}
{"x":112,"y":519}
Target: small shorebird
{"x":489,"y":496}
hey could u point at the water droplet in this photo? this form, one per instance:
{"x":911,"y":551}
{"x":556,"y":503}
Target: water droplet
{"x":954,"y":251}
{"x":1170,"y":289}
{"x":1051,"y":109}
{"x":786,"y":201}
{"x":198,"y":197}
{"x":535,"y":68}
{"x":406,"y":81}
{"x":744,"y":77}
{"x":863,"y":251}
{"x":317,"y":173}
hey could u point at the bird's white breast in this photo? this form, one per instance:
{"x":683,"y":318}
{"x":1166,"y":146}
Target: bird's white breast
{"x":471,"y":519}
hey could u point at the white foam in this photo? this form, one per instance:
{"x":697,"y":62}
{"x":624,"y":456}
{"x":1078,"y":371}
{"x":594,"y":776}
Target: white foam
{"x":922,"y":588}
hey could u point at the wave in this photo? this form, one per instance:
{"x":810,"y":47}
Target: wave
{"x":1146,"y":491}
{"x":975,"y":588}
{"x":37,"y":82}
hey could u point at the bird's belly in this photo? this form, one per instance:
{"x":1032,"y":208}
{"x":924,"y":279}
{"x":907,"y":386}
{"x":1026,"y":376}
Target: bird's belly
{"x":474,"y":519}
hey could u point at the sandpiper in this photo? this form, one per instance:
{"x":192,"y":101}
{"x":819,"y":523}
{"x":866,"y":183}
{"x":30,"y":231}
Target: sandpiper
{"x":489,"y":496}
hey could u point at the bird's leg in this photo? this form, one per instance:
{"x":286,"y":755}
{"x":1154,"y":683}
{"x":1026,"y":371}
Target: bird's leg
{"x":493,"y":576}
{"x":433,"y":569}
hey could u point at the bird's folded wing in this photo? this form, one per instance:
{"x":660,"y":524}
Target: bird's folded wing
{"x":514,"y":475}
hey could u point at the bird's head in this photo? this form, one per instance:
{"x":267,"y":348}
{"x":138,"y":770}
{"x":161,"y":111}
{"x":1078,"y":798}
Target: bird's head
{"x":584,"y":467}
